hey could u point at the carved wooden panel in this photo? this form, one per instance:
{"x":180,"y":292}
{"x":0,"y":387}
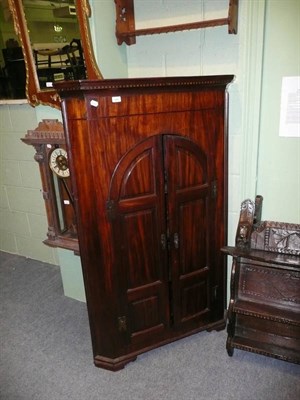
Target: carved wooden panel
{"x":277,"y":237}
{"x":269,"y":285}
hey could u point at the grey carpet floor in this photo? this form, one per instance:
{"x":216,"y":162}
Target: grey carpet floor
{"x":45,"y":353}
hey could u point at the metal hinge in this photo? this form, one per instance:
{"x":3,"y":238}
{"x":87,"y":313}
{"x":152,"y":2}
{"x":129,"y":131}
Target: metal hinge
{"x":122,"y":324}
{"x":176,"y":240}
{"x":166,"y":243}
{"x":163,"y":241}
{"x":111,"y":209}
{"x":214,"y":190}
{"x":215,"y":292}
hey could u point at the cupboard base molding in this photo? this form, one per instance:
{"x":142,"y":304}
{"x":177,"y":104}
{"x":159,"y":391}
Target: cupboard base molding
{"x":113,"y":364}
{"x":116,"y":364}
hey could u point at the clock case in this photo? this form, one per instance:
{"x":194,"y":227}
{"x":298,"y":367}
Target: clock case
{"x":57,"y":191}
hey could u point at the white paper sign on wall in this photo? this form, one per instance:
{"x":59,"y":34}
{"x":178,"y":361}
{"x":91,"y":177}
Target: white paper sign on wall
{"x":290,"y":107}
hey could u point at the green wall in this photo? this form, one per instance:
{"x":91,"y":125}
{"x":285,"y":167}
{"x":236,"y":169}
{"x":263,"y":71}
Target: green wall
{"x":278,"y":174}
{"x":111,"y":58}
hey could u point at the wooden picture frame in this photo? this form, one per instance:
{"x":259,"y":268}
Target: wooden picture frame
{"x":49,"y":96}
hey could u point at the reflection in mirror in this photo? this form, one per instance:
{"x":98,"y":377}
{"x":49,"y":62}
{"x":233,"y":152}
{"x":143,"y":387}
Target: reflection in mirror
{"x":55,"y":40}
{"x":12,"y":65}
{"x":54,"y":36}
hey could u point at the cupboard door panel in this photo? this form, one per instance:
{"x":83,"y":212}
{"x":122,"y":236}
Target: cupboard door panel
{"x":147,"y":313}
{"x":193,"y":270}
{"x":194,"y":299}
{"x":193,"y":249}
{"x":138,"y":180}
{"x":139,"y":244}
{"x":138,"y":219}
{"x":188,"y":176}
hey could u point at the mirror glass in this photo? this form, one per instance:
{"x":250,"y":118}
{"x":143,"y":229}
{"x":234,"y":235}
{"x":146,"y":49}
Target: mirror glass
{"x":12,"y":65}
{"x":52,"y":44}
{"x":55,"y":40}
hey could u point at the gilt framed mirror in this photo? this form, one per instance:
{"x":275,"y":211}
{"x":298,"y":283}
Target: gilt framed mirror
{"x":56,"y":45}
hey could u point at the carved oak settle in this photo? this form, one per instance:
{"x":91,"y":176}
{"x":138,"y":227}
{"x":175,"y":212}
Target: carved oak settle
{"x":264,"y":308}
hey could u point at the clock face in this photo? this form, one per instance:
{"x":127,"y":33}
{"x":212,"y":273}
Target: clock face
{"x":58,"y":162}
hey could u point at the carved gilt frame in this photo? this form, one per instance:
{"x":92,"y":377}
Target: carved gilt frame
{"x":50,"y":97}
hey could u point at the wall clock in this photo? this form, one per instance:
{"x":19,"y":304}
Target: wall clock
{"x":49,"y":142}
{"x":58,"y":162}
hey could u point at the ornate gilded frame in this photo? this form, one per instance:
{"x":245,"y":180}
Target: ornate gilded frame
{"x":50,"y":97}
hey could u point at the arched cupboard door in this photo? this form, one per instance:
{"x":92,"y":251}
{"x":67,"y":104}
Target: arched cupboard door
{"x":160,"y":211}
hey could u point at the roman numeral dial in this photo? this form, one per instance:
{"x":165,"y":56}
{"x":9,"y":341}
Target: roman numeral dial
{"x":58,"y":162}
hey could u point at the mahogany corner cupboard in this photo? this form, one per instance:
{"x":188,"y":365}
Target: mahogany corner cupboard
{"x":148,"y":161}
